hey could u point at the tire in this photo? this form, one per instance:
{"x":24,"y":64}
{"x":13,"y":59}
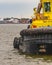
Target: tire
{"x":16,"y":43}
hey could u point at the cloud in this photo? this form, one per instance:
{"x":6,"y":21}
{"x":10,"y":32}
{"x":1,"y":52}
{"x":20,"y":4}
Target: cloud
{"x":14,"y":1}
{"x":18,"y":1}
{"x":19,"y":8}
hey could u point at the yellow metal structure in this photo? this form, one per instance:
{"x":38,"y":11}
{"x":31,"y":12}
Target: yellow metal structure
{"x":44,"y":18}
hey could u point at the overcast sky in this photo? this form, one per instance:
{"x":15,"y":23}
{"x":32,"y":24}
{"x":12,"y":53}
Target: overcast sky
{"x":17,"y":8}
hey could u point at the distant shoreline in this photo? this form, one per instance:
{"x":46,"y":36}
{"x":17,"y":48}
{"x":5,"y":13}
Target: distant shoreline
{"x":14,"y":23}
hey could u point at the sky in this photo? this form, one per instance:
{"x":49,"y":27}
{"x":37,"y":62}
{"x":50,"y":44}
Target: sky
{"x":17,"y":8}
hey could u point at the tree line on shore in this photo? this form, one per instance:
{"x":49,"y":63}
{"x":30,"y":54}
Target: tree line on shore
{"x":13,"y":20}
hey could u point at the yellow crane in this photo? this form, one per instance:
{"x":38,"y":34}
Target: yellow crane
{"x":38,"y":37}
{"x":44,"y":18}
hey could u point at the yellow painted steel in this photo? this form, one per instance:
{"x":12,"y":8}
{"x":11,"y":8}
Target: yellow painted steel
{"x":46,"y":16}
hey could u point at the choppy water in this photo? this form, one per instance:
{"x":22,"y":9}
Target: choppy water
{"x":9,"y":55}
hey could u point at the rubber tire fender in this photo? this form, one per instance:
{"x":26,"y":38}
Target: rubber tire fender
{"x":16,"y":43}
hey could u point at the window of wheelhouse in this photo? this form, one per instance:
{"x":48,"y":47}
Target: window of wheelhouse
{"x":47,"y":7}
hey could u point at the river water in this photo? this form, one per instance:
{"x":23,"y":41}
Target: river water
{"x":9,"y":55}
